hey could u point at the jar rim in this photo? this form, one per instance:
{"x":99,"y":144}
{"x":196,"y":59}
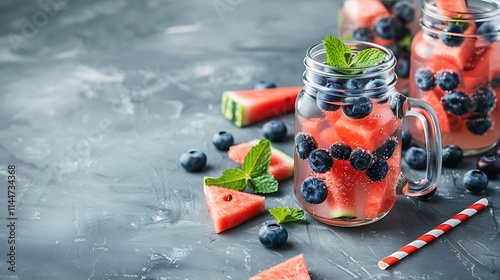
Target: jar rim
{"x":318,"y":66}
{"x":473,"y":15}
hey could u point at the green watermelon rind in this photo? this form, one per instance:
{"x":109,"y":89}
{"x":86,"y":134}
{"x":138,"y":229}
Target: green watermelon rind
{"x":232,"y":110}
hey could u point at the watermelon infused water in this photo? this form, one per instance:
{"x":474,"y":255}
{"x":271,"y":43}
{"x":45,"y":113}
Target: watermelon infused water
{"x":455,"y":67}
{"x":348,"y":120}
{"x":391,"y":23}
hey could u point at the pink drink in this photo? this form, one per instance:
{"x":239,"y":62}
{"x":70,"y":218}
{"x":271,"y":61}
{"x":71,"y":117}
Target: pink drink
{"x":465,"y":68}
{"x":348,"y":142}
{"x":397,"y":23}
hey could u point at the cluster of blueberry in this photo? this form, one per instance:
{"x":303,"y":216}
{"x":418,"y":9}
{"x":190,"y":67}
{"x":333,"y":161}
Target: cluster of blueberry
{"x":474,"y":108}
{"x":450,"y":37}
{"x":394,"y":27}
{"x":321,"y":160}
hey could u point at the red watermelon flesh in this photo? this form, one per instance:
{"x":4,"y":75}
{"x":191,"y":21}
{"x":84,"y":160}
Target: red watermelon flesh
{"x":244,"y":107}
{"x":370,"y":132}
{"x":458,"y":6}
{"x":281,"y":166}
{"x":229,"y":208}
{"x":341,"y":200}
{"x":292,"y":269}
{"x":364,"y":13}
{"x":382,"y":195}
{"x":463,"y":56}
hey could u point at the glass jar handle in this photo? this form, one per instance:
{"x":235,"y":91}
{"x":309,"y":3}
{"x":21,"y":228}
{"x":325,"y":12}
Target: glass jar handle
{"x":427,"y":116}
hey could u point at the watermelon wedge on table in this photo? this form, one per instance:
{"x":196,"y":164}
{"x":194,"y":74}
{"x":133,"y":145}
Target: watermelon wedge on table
{"x":229,"y":208}
{"x":292,"y":269}
{"x":244,"y":107}
{"x":281,"y":166}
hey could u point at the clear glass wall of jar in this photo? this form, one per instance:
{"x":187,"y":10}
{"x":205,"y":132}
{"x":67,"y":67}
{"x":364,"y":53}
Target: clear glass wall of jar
{"x":390,"y":23}
{"x":455,"y":67}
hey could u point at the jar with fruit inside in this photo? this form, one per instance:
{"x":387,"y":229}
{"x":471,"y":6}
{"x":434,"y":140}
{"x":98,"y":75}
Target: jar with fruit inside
{"x":348,"y":135}
{"x":390,"y":23}
{"x":455,"y":68}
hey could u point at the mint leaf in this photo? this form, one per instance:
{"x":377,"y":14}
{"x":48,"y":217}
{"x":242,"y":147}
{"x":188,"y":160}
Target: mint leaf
{"x":367,"y":58}
{"x":285,"y":214}
{"x":258,"y":159}
{"x":233,"y":178}
{"x":462,"y":24}
{"x":264,"y":183}
{"x":338,"y":54}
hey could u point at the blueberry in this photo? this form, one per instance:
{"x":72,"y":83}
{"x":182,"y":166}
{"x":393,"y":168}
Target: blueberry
{"x":388,"y":4}
{"x":403,"y":66}
{"x":403,"y":37}
{"x":304,"y":144}
{"x":397,"y":105}
{"x":362,"y":34}
{"x":478,"y":124}
{"x":406,"y":140}
{"x":484,"y":99}
{"x":353,"y":84}
{"x":306,"y":105}
{"x":452,"y":156}
{"x":324,"y":101}
{"x":395,"y":49}
{"x":447,"y":80}
{"x":475,"y":181}
{"x":386,"y":150}
{"x":450,"y":39}
{"x":264,"y":85}
{"x":416,"y":158}
{"x":488,"y":30}
{"x":274,"y":130}
{"x":273,"y":235}
{"x":424,"y":79}
{"x":386,"y":27}
{"x":320,"y":160}
{"x":361,"y":159}
{"x":358,"y":108}
{"x":378,"y":170}
{"x":375,"y":87}
{"x":340,"y":151}
{"x":457,"y":103}
{"x":490,"y":165}
{"x":404,"y":11}
{"x":193,"y":160}
{"x":314,"y":190}
{"x":223,"y":140}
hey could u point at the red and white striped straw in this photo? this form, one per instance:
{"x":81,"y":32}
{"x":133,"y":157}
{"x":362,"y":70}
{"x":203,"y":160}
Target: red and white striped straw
{"x":433,"y":234}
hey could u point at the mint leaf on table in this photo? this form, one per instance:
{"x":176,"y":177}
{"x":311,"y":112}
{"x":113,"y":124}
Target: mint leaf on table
{"x":233,"y":178}
{"x":264,"y":183}
{"x":338,"y":54}
{"x":285,"y":214}
{"x":258,"y":159}
{"x":253,"y":173}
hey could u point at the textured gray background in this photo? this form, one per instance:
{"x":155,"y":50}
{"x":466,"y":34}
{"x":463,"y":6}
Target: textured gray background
{"x":98,"y":99}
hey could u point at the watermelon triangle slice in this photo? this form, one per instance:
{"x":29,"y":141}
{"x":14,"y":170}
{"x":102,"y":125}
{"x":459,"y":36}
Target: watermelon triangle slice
{"x":229,"y":208}
{"x":292,"y":269}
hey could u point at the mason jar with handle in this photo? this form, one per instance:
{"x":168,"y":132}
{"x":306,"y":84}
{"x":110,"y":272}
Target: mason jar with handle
{"x":455,"y":67}
{"x":348,"y":140}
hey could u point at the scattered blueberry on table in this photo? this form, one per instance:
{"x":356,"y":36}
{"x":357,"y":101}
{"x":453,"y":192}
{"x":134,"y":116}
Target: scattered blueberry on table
{"x":193,"y":160}
{"x":223,"y":140}
{"x":274,"y":130}
{"x":490,"y":165}
{"x":273,"y":235}
{"x":475,"y":181}
{"x":416,"y":158}
{"x":452,"y":156}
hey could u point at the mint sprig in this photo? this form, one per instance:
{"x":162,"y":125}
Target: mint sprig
{"x":253,"y":173}
{"x":285,"y":214}
{"x":338,"y":54}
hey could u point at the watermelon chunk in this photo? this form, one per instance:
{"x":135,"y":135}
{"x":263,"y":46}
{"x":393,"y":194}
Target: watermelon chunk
{"x":281,"y":166}
{"x":340,"y":181}
{"x":292,"y":269}
{"x":369,"y":132}
{"x":229,"y":208}
{"x":363,"y":13}
{"x":458,"y":6}
{"x":244,"y":107}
